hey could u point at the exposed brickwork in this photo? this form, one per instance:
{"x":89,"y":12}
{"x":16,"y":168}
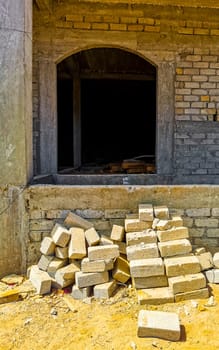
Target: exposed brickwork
{"x":189,"y":37}
{"x":203,"y":224}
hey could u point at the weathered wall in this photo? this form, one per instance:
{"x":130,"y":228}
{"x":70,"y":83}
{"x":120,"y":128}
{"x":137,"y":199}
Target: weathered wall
{"x":16,"y":91}
{"x":108,"y":205}
{"x":183,"y":43}
{"x":14,"y":225}
{"x":15,"y":129}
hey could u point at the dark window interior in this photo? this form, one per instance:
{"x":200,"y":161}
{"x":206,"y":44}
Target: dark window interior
{"x":65,"y":124}
{"x":118,"y":120}
{"x":117,"y":110}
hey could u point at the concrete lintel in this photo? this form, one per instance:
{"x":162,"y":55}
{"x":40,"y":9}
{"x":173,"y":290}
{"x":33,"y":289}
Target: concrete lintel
{"x":178,"y":3}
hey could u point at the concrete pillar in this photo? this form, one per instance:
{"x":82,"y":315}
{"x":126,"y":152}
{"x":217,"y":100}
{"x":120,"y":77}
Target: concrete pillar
{"x":15,"y":130}
{"x":15,"y":91}
{"x":48,"y":116}
{"x":165,"y":118}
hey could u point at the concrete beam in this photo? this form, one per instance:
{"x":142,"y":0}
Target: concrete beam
{"x":182,"y":3}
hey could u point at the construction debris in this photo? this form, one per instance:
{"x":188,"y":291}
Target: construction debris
{"x":151,"y":251}
{"x":159,"y":324}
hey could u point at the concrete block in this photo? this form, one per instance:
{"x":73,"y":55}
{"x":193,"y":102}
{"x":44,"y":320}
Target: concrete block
{"x":176,"y":221}
{"x":162,"y":225}
{"x":117,"y":233}
{"x":187,"y":283}
{"x":216,"y":259}
{"x":121,"y":270}
{"x":212,"y":275}
{"x":147,"y":267}
{"x":74,"y":220}
{"x":183,"y":265}
{"x":122,"y":246}
{"x":176,"y":247}
{"x":83,"y":279}
{"x":65,"y":276}
{"x":47,"y":246}
{"x":155,"y":296}
{"x":132,"y":216}
{"x":159,"y":324}
{"x":92,"y":236}
{"x":104,"y":290}
{"x":145,"y":236}
{"x":146,"y":212}
{"x":60,"y":235}
{"x":96,"y":265}
{"x":133,"y":225}
{"x":161,"y":212}
{"x":149,"y":282}
{"x":104,"y":240}
{"x":56,"y":264}
{"x":77,"y":245}
{"x":206,"y":261}
{"x":81,"y":293}
{"x":44,"y":262}
{"x":40,"y":280}
{"x":199,"y":251}
{"x":61,"y":252}
{"x":195,"y":294}
{"x":173,"y":234}
{"x":55,"y":284}
{"x":105,"y":252}
{"x":142,"y":251}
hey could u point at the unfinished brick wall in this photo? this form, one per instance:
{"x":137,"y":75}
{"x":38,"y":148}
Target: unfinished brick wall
{"x":182,"y":42}
{"x":196,"y":111}
{"x":197,"y":205}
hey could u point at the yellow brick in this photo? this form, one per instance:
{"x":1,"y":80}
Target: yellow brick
{"x":148,"y":21}
{"x":178,"y":98}
{"x":74,"y":18}
{"x":152,"y":29}
{"x":100,"y":26}
{"x":211,"y":111}
{"x":93,"y":19}
{"x":205,"y":98}
{"x":179,"y":71}
{"x":214,"y":31}
{"x":135,"y":27}
{"x":111,"y":19}
{"x":179,"y":111}
{"x":200,"y":31}
{"x":82,"y":25}
{"x":119,"y":27}
{"x":129,"y":20}
{"x":186,"y":31}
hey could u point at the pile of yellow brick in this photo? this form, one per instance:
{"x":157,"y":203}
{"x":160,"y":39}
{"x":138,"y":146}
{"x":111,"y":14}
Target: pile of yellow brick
{"x":152,"y":251}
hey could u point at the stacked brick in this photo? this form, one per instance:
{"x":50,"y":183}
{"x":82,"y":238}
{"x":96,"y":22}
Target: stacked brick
{"x":162,"y":265}
{"x":76,"y":255}
{"x":152,"y":250}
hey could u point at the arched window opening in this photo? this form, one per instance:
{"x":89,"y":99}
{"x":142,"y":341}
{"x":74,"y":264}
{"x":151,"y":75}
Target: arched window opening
{"x":106,"y":113}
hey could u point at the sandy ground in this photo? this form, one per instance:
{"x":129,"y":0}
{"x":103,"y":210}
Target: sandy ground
{"x":59,"y":322}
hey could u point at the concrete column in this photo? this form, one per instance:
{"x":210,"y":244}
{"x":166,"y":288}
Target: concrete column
{"x":48,"y":116}
{"x":15,"y":130}
{"x":15,"y":91}
{"x":165,"y":118}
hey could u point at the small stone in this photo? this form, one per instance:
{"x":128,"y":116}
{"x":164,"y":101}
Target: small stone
{"x":53,"y":312}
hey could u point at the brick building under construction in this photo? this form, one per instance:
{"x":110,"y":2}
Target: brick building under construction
{"x":106,"y":104}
